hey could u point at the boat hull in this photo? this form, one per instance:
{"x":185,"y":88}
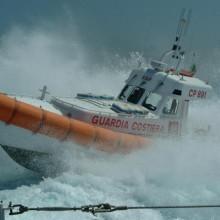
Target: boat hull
{"x":35,"y":129}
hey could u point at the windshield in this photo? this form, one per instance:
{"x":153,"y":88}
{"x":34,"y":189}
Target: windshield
{"x":152,"y":101}
{"x":136,"y":95}
{"x":124,"y":93}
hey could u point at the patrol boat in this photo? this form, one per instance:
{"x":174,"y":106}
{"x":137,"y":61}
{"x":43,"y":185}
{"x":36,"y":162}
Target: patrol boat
{"x":153,"y":102}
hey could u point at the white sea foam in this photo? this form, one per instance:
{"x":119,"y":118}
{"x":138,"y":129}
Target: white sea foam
{"x":171,"y":171}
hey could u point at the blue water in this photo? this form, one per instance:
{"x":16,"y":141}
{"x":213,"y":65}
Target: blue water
{"x":172,"y":171}
{"x":180,"y":171}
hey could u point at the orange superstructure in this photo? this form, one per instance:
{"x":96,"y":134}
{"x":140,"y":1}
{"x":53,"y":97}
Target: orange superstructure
{"x":41,"y":121}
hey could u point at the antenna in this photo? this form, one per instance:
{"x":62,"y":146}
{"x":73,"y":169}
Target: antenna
{"x":181,"y":31}
{"x":176,"y":52}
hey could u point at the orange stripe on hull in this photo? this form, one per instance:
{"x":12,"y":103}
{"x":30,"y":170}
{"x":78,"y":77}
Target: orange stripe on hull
{"x":44,"y":122}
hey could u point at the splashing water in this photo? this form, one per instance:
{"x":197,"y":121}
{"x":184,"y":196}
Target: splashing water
{"x":171,"y":171}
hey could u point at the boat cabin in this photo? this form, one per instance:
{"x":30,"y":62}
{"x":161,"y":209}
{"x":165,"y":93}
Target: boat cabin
{"x":163,"y":91}
{"x":154,"y":100}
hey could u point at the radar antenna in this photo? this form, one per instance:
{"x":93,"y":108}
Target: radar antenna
{"x":176,"y":51}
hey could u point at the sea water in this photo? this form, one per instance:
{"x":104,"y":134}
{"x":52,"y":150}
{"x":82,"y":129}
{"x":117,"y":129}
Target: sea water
{"x":173,"y":171}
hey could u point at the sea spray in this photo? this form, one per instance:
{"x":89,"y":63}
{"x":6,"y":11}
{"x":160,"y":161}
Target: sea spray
{"x":172,"y":171}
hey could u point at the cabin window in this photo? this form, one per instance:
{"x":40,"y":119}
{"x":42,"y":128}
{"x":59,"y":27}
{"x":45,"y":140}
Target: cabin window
{"x":177,"y":92}
{"x":171,"y":106}
{"x":136,"y":95}
{"x":152,"y":101}
{"x":124,"y":93}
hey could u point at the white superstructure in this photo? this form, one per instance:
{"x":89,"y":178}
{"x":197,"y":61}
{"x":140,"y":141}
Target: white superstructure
{"x":152,"y":102}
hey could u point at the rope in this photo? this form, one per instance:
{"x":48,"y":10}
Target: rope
{"x":100,"y":208}
{"x":175,"y":207}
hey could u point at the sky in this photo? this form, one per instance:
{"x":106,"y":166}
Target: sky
{"x":35,"y":33}
{"x":118,"y":26}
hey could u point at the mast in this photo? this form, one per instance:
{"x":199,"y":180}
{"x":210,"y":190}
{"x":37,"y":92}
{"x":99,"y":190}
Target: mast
{"x":176,"y":52}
